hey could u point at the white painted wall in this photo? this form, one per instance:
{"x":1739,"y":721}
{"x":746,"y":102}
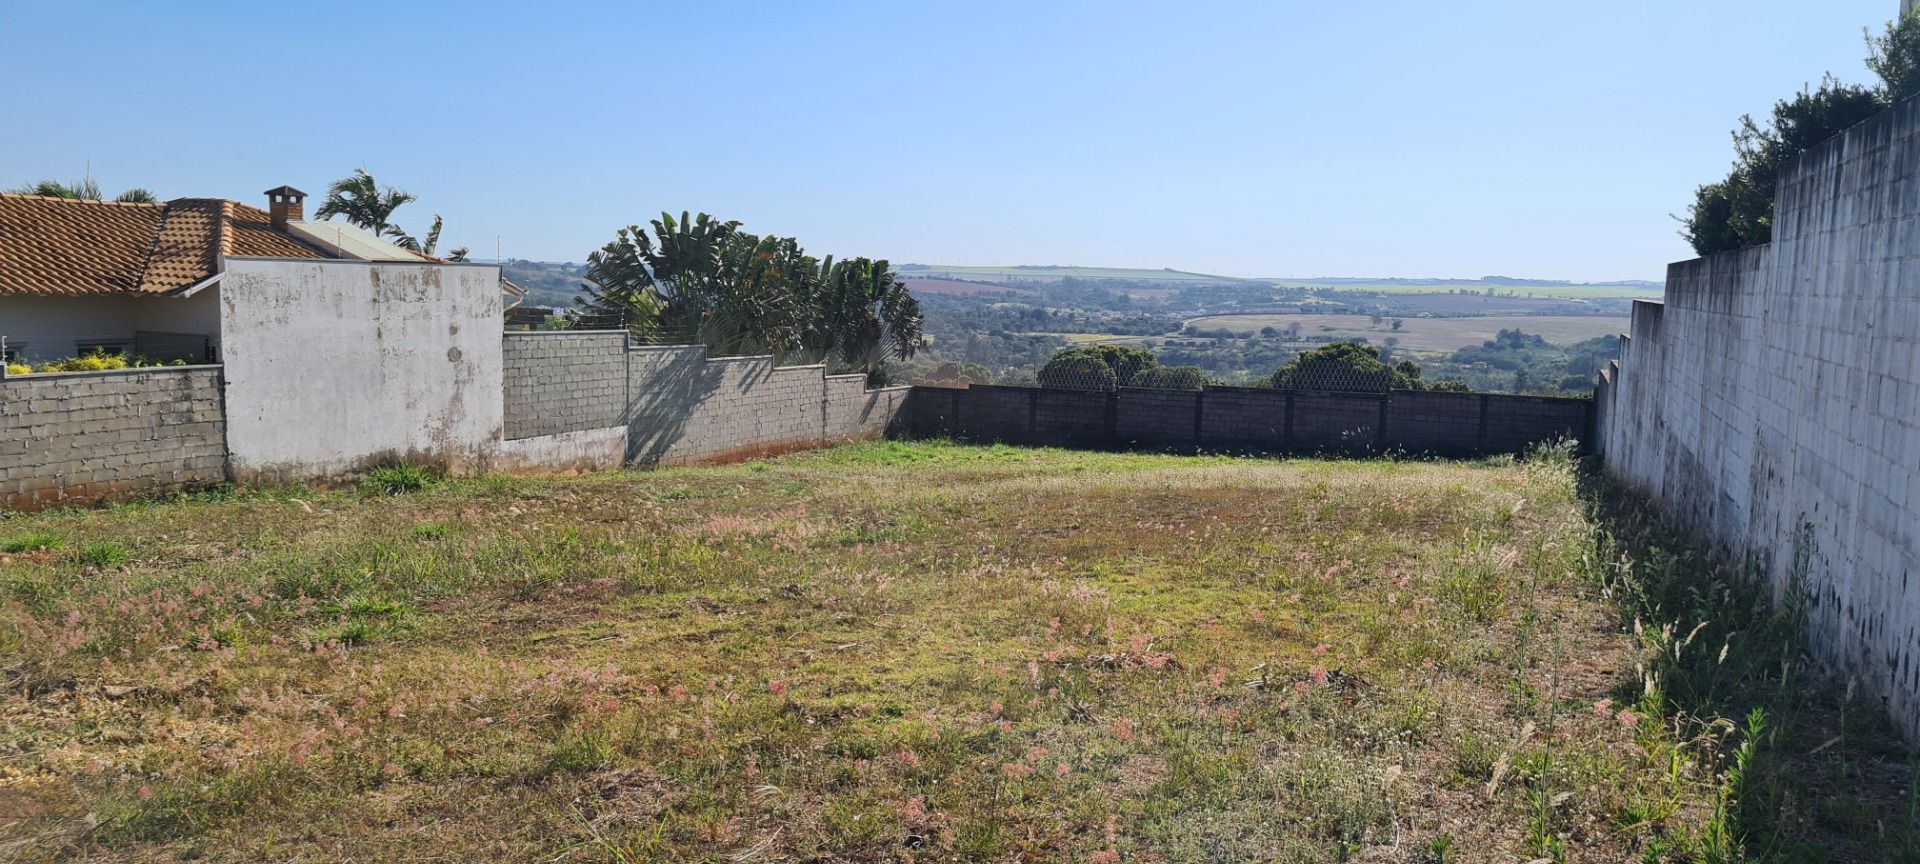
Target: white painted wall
{"x":1773,"y":402}
{"x":333,"y":367}
{"x":50,"y":327}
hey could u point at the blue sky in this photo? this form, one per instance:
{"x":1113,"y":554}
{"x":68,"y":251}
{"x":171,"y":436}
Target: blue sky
{"x":1523,"y":138}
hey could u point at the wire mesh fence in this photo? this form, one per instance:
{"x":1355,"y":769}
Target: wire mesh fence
{"x":525,"y":318}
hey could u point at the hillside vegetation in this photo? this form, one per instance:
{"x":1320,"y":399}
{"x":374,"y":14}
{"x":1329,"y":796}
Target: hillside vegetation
{"x":926,"y":652}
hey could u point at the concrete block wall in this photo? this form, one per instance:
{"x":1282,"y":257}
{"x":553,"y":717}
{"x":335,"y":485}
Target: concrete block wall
{"x":1773,"y":402}
{"x":854,"y":413}
{"x":683,"y":407}
{"x":1450,"y":423}
{"x":1244,"y":416}
{"x":1303,"y":421}
{"x":1070,"y":417}
{"x":334,"y":367}
{"x":1338,"y":422}
{"x":567,"y":381}
{"x":1157,"y":418}
{"x":83,"y":437}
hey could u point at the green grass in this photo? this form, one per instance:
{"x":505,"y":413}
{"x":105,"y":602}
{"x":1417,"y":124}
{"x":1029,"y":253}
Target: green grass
{"x":33,"y":541}
{"x":908,"y":650}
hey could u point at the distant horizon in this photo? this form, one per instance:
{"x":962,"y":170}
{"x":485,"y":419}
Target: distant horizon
{"x":899,"y":265}
{"x":1554,"y":139}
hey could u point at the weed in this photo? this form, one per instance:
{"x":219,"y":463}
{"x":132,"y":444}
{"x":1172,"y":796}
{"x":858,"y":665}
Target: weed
{"x":400,"y":479}
{"x":33,"y":541}
{"x":430,"y":530}
{"x":103,"y":555}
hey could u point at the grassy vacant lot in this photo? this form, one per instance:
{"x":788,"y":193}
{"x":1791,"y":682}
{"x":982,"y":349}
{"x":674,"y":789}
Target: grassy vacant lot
{"x":894,"y":652}
{"x":1426,"y":334}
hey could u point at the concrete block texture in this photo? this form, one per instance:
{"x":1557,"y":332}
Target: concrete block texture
{"x":1287,"y":421}
{"x":1770,"y":402}
{"x":683,"y":407}
{"x":86,"y":437}
{"x":564,"y":381}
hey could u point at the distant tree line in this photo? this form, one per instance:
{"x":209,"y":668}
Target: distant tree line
{"x":1340,"y":366}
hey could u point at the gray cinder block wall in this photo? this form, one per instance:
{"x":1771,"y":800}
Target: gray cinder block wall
{"x":676,"y":405}
{"x":1301,"y":421}
{"x":1773,"y":402}
{"x":563,"y":382}
{"x":83,"y":437}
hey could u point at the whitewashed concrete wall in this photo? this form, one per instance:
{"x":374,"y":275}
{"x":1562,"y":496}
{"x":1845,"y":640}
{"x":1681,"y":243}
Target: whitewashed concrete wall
{"x":1773,"y":401}
{"x":333,"y":367}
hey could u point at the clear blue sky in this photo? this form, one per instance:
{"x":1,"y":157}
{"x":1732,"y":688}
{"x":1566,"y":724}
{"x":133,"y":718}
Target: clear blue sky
{"x":1524,"y":138}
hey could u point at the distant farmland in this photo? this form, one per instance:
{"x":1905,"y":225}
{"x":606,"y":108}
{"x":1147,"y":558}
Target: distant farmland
{"x":1050,"y":274}
{"x":1568,"y":291}
{"x":1425,"y":334}
{"x":954,"y":286}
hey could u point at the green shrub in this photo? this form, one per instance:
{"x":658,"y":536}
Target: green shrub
{"x":1171,"y":378}
{"x":103,"y":554}
{"x":33,"y":541}
{"x":400,"y":479}
{"x":92,"y":361}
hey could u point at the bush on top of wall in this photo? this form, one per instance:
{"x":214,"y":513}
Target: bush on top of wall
{"x":92,"y":361}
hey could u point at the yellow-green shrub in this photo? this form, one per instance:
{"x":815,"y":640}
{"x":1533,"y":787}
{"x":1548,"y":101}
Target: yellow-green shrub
{"x":92,"y":361}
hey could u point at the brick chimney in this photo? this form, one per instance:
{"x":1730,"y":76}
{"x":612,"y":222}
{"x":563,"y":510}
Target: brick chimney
{"x":286,"y":204}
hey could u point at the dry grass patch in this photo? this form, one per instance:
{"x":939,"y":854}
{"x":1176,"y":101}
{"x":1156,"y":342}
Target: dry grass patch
{"x":880,"y":652}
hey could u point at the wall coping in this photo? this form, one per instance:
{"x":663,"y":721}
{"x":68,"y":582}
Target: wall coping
{"x":527,"y":334}
{"x":105,"y":373}
{"x":700,"y":348}
{"x":1371,"y":394}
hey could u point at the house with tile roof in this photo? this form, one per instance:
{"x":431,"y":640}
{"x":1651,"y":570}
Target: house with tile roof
{"x":78,"y":276}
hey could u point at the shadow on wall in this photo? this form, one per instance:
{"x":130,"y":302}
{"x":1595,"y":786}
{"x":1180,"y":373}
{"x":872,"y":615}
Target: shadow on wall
{"x":658,"y":414}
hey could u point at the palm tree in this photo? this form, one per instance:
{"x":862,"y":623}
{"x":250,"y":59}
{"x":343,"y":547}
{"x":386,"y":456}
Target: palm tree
{"x":404,"y":240}
{"x":84,"y":190}
{"x":862,"y":314}
{"x":365,"y":204}
{"x":700,"y":280}
{"x":369,"y":206}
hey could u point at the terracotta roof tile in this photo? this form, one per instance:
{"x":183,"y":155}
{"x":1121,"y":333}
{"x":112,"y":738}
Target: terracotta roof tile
{"x":64,"y":246}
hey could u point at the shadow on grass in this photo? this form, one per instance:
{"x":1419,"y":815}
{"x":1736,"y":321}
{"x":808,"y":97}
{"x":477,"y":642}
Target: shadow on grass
{"x":1828,"y":779}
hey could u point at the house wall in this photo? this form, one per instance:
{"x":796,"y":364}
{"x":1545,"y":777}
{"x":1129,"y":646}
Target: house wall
{"x":1773,"y":402}
{"x":81,"y":437}
{"x":50,"y":327}
{"x":1303,"y":421}
{"x":336,"y":366}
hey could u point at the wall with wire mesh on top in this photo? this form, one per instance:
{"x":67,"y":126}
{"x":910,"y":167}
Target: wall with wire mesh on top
{"x":1253,"y":418}
{"x":672,"y":404}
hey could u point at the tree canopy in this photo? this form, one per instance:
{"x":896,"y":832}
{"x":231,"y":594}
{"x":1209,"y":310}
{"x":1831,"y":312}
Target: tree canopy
{"x":700,"y":280}
{"x":1738,"y":212}
{"x":1352,"y":366}
{"x":1096,"y":367}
